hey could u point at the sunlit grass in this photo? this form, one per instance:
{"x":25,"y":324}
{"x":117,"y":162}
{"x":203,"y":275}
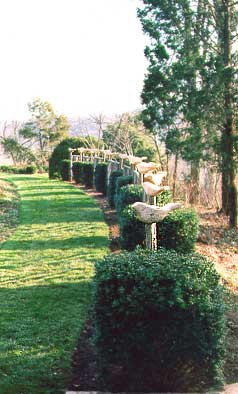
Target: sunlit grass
{"x":46,"y":268}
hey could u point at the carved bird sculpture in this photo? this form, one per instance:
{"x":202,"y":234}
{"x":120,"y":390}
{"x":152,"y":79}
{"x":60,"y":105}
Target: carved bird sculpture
{"x":156,"y":179}
{"x":151,"y":213}
{"x":143,"y":168}
{"x":153,"y":190}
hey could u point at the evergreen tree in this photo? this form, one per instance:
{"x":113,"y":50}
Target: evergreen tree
{"x":191,"y":82}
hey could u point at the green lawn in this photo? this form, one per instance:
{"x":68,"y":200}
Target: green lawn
{"x":46,"y":268}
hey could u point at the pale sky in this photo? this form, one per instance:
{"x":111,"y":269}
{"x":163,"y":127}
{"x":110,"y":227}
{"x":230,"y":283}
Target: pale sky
{"x":83,"y":56}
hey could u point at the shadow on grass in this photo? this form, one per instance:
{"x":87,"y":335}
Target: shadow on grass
{"x":39,"y":329}
{"x":69,"y":243}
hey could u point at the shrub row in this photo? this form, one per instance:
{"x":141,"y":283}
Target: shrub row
{"x":30,"y":169}
{"x":179,"y":230}
{"x":159,"y":321}
{"x":112,"y":186}
{"x":83,"y":173}
{"x":101,"y":178}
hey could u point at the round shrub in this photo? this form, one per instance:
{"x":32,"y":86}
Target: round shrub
{"x":65,"y":170}
{"x":112,"y":186}
{"x":179,"y":230}
{"x":159,"y":322}
{"x":128,"y":195}
{"x":101,"y":178}
{"x":61,"y":152}
{"x":132,"y":231}
{"x":78,"y":171}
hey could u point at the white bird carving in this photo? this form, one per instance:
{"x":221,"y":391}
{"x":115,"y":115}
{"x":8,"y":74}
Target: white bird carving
{"x":151,"y":213}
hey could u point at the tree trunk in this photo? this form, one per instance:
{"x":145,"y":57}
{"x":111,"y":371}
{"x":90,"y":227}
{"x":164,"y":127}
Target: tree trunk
{"x":229,"y":187}
{"x":195,"y":172}
{"x":175,"y":175}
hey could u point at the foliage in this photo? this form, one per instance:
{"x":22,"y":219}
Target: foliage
{"x":112,"y":186}
{"x":30,"y":169}
{"x":17,"y":151}
{"x":126,"y":134}
{"x":87,"y":174}
{"x":128,"y":195}
{"x":101,"y":178}
{"x":9,"y":209}
{"x":164,"y":198}
{"x":190,"y":90}
{"x":132,"y":231}
{"x":44,"y":128}
{"x":46,"y":282}
{"x":159,"y":321}
{"x":61,"y":152}
{"x":78,"y":171}
{"x":179,"y":230}
{"x":65,"y":170}
{"x":120,"y":182}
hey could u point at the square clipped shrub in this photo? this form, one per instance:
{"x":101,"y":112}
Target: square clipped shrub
{"x":87,"y":174}
{"x":101,"y":178}
{"x":78,"y":171}
{"x":160,"y":323}
{"x":132,"y":231}
{"x":112,"y":186}
{"x":128,"y":195}
{"x":65,"y":170}
{"x":120,"y":182}
{"x":179,"y":230}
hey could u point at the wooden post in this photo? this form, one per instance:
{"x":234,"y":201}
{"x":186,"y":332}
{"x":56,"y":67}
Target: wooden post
{"x":71,"y":166}
{"x":150,"y":229}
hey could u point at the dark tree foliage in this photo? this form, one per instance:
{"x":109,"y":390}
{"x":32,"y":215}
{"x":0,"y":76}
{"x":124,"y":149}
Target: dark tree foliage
{"x":190,"y":90}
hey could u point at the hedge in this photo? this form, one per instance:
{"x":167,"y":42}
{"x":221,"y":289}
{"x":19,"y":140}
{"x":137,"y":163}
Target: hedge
{"x":65,"y":170}
{"x":121,"y":181}
{"x":61,"y":152}
{"x":29,"y":169}
{"x":159,"y":322}
{"x":132,"y":231}
{"x":112,"y":186}
{"x":78,"y":171}
{"x":179,"y":230}
{"x":101,"y":178}
{"x":128,"y":195}
{"x":87,"y":174}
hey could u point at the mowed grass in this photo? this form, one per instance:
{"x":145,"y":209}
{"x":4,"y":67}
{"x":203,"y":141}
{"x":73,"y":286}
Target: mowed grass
{"x":46,"y":270}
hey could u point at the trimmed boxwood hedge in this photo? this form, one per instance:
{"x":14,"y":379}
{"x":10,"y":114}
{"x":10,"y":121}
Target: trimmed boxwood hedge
{"x":87,"y":174}
{"x":128,"y":195}
{"x":101,"y":178}
{"x":78,"y":171}
{"x":132,"y":231}
{"x":121,"y":181}
{"x":29,"y":169}
{"x":179,"y":230}
{"x":112,"y":186}
{"x":65,"y":170}
{"x":159,"y":322}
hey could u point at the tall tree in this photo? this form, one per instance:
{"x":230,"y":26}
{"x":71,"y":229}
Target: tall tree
{"x":192,"y":77}
{"x":45,"y":128}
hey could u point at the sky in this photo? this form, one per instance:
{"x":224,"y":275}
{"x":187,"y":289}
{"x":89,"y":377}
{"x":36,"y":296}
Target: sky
{"x":83,"y":56}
